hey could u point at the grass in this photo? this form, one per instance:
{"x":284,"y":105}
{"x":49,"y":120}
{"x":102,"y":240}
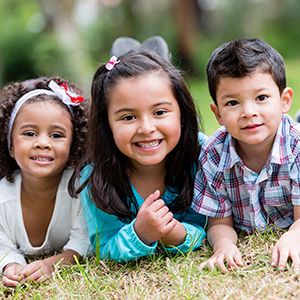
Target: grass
{"x":164,"y":277}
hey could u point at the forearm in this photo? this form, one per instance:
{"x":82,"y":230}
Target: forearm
{"x":66,"y":258}
{"x":220,"y":233}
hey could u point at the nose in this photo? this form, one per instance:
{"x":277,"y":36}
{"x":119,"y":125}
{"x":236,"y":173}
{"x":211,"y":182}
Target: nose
{"x":42,"y":142}
{"x":146,"y":126}
{"x":249,"y":110}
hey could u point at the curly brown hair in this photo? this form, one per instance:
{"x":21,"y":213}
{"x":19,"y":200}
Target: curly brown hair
{"x":10,"y":94}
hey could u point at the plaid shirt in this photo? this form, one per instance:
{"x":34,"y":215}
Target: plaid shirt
{"x":225,"y":186}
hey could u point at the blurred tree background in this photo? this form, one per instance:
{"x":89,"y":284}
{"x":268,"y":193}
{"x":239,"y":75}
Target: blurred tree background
{"x":71,"y":37}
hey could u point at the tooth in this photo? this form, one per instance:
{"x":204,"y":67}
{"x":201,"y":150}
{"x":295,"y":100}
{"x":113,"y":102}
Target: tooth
{"x":148,"y":145}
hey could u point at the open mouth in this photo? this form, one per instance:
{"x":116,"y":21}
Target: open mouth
{"x":41,"y":159}
{"x":148,"y":144}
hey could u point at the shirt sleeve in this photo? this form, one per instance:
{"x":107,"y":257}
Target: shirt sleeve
{"x":110,"y":237}
{"x":210,"y":195}
{"x":79,"y":239}
{"x":9,"y":252}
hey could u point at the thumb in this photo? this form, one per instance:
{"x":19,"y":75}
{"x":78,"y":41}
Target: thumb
{"x":151,"y":198}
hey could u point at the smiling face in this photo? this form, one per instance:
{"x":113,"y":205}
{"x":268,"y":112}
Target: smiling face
{"x":144,"y":117}
{"x":251,"y":108}
{"x":41,"y":139}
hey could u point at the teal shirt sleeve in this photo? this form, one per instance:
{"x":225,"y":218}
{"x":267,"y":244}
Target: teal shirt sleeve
{"x":109,"y":236}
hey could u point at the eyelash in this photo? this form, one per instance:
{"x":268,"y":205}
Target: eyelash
{"x":53,"y":135}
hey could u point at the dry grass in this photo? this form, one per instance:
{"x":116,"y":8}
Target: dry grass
{"x":163,"y":277}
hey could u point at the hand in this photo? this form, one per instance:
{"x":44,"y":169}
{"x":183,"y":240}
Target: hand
{"x":11,"y":274}
{"x":224,"y":251}
{"x":175,"y":236}
{"x":37,"y":271}
{"x":287,"y":246}
{"x":153,"y":220}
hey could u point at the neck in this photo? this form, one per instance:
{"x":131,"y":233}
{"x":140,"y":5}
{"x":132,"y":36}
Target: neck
{"x":40,"y":189}
{"x":147,"y":179}
{"x":254,"y":157}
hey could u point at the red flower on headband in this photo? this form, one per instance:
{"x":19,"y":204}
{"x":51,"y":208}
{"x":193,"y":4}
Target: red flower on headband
{"x":73,"y":96}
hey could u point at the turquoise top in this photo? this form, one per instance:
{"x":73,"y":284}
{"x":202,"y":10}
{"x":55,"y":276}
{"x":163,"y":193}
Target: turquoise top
{"x":117,"y":240}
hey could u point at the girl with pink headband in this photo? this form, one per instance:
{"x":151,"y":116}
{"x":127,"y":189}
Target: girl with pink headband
{"x":43,"y":124}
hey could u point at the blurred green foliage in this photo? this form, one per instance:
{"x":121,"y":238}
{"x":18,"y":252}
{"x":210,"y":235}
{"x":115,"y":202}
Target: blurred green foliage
{"x":27,"y":49}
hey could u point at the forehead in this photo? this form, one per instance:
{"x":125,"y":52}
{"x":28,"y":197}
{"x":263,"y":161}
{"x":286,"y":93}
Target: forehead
{"x":253,"y":82}
{"x":43,"y":111}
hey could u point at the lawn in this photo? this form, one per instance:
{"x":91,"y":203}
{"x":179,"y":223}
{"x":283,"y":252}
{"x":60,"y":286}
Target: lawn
{"x":164,"y":277}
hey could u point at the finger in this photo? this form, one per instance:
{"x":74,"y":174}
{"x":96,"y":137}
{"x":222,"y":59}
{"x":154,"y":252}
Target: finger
{"x":205,"y":265}
{"x":283,"y":257}
{"x":151,"y":198}
{"x":160,"y":211}
{"x":274,"y":259}
{"x":295,"y":260}
{"x":34,"y":277}
{"x":9,"y":281}
{"x":221,"y":266}
{"x":30,"y":269}
{"x":238,"y":258}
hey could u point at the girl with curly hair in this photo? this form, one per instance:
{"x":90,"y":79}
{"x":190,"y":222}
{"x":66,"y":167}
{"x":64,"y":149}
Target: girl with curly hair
{"x":43,"y":131}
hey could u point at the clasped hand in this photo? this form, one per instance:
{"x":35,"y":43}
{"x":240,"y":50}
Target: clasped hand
{"x":154,"y":220}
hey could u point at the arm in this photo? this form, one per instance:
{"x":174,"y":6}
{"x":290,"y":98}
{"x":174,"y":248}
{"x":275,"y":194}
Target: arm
{"x":223,"y":239}
{"x":40,"y":270}
{"x":110,"y":237}
{"x":288,"y":245}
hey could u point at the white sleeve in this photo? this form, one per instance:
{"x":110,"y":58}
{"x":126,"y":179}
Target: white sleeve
{"x":9,"y":252}
{"x":79,"y":239}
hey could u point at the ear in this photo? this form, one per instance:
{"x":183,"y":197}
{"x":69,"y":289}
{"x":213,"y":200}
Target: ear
{"x":287,"y":99}
{"x":11,"y":152}
{"x":216,"y":112}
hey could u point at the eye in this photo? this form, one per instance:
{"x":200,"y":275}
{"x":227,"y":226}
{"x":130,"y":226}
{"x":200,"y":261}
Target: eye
{"x":128,"y":118}
{"x":262,"y":98}
{"x":29,"y":133}
{"x":232,"y":103}
{"x":56,"y":135}
{"x":160,"y":112}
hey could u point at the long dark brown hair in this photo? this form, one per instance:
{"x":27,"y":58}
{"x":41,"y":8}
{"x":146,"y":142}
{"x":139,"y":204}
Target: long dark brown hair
{"x":108,"y":184}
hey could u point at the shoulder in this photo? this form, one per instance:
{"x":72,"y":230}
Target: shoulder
{"x":202,"y":137}
{"x":290,"y":132}
{"x":8,"y":189}
{"x":216,"y":141}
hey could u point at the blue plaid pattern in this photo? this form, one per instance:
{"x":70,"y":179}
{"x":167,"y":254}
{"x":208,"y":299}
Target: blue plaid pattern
{"x":225,"y":186}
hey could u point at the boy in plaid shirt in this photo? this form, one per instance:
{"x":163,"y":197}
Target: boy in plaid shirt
{"x":249,"y":169}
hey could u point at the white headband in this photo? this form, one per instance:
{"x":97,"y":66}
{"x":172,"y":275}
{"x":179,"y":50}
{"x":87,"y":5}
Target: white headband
{"x":65,"y":94}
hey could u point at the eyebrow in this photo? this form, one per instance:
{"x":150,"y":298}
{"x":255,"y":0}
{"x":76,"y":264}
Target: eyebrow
{"x":226,"y":96}
{"x":55,"y":126}
{"x":153,"y":106}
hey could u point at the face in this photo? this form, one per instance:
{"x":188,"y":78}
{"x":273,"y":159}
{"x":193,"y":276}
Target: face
{"x":251,"y":107}
{"x":41,"y":139}
{"x":144,"y":117}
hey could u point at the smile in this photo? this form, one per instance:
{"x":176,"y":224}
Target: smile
{"x":41,"y":159}
{"x":149,"y":145}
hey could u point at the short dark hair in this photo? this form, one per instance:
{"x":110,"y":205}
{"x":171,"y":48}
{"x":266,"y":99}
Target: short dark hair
{"x":243,"y":57}
{"x":109,"y":184}
{"x":11,"y":93}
